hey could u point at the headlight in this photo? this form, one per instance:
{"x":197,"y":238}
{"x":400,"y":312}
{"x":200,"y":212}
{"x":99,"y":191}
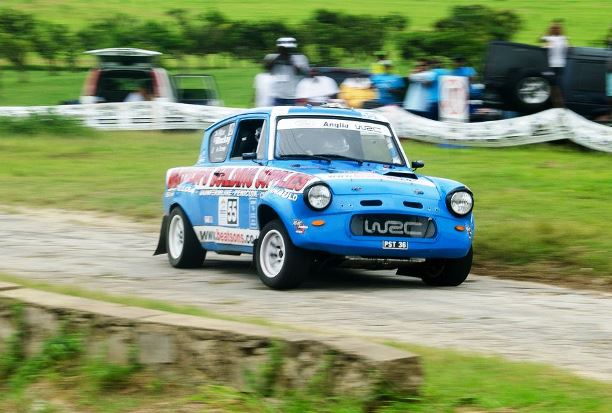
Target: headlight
{"x":318,"y":196}
{"x":460,"y":202}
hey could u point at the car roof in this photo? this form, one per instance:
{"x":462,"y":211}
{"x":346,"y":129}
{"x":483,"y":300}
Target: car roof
{"x":591,"y":51}
{"x":307,"y":110}
{"x":122,"y":51}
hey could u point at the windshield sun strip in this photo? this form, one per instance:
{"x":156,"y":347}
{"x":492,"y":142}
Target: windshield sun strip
{"x":378,"y":122}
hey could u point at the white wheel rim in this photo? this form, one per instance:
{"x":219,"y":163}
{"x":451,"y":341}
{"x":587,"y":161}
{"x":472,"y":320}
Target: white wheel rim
{"x":534,"y":90}
{"x":272,"y":253}
{"x":176,"y":236}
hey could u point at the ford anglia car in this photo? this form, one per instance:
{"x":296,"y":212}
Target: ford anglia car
{"x":302,"y":188}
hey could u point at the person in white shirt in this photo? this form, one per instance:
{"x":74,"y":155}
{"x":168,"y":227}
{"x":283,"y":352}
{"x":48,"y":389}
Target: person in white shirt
{"x":557,"y":45}
{"x":139,"y":95}
{"x":416,"y":95}
{"x":263,"y":84}
{"x":288,"y":67}
{"x":316,"y":89}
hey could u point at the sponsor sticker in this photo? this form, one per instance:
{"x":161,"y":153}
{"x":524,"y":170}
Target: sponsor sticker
{"x":299,"y":226}
{"x":228,"y":211}
{"x":224,"y":235}
{"x":252,"y":213}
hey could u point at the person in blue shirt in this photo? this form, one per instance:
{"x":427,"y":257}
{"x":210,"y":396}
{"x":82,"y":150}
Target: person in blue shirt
{"x":433,"y":88}
{"x":390,"y":86}
{"x":460,"y":68}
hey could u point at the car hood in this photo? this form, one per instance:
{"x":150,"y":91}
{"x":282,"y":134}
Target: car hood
{"x":378,"y":182}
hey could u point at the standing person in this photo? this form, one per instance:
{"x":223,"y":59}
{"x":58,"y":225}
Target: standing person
{"x":316,"y":89}
{"x":390,"y":86}
{"x":433,"y":88}
{"x":287,"y":67}
{"x":416,"y":96}
{"x":460,"y":68}
{"x":378,"y":66}
{"x":263,"y":84}
{"x":557,"y":44}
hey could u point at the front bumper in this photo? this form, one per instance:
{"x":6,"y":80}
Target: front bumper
{"x":335,"y":237}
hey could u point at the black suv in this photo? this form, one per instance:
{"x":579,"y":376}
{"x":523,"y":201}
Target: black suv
{"x":517,"y":78}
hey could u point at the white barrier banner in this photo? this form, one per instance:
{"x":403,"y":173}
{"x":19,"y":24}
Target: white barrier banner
{"x":132,"y":115}
{"x":550,"y":125}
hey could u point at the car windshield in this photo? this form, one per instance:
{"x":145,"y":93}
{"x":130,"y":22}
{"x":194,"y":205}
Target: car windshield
{"x":338,"y":139}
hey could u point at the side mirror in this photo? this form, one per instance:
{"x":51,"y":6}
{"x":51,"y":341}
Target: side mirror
{"x":417,"y":164}
{"x":249,"y":155}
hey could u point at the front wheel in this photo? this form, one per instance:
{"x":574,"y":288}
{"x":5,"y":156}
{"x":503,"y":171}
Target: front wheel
{"x":450,"y":272}
{"x":184,"y":249}
{"x":280,"y":264}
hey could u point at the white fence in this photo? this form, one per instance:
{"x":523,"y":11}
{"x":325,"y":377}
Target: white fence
{"x":550,"y":125}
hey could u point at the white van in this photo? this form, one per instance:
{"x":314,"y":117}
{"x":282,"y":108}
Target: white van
{"x":123,"y":73}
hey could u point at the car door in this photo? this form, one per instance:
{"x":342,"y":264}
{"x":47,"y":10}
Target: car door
{"x":212,"y":164}
{"x":228,"y":200}
{"x":234,"y":187}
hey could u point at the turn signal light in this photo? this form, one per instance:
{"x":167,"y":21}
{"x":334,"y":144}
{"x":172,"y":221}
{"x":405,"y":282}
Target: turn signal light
{"x":460,"y":228}
{"x":318,"y":223}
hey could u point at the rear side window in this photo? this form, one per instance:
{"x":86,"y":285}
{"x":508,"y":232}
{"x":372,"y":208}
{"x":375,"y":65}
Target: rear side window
{"x":219,"y":142}
{"x":588,"y":76}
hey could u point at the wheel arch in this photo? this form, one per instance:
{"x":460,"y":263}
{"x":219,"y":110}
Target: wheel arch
{"x":265,"y":214}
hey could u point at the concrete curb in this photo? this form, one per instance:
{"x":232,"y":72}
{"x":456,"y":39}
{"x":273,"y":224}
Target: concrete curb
{"x":225,"y":352}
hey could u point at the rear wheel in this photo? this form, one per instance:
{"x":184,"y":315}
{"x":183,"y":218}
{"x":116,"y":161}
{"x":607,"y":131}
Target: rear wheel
{"x":184,"y":249}
{"x":532,"y":92}
{"x":449,"y":272}
{"x":280,"y":264}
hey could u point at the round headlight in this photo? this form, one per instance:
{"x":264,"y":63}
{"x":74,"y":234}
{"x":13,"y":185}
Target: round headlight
{"x":460,"y":202}
{"x":318,"y":196}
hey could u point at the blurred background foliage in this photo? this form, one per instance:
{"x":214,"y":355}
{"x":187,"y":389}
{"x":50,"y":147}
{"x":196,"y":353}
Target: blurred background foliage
{"x":328,"y":36}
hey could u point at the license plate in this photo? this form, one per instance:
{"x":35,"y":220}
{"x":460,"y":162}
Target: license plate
{"x":395,"y":245}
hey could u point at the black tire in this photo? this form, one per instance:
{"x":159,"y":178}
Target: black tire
{"x":448,"y":272}
{"x":280,"y":264}
{"x":532,"y":92}
{"x":184,"y":249}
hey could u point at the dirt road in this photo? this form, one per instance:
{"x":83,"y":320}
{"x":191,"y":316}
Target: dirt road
{"x":526,"y":321}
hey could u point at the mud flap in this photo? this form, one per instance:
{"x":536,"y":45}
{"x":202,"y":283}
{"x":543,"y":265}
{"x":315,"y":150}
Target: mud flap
{"x":161,"y":243}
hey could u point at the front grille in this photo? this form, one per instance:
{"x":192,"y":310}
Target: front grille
{"x":393,"y":225}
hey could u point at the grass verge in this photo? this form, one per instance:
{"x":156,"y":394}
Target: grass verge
{"x":540,"y":209}
{"x":61,"y":379}
{"x":137,"y":301}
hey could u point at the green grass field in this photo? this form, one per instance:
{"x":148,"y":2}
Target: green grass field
{"x":540,"y":209}
{"x":453,"y":382}
{"x":586,"y":20}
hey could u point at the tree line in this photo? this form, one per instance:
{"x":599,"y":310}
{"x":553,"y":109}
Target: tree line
{"x":328,"y":37}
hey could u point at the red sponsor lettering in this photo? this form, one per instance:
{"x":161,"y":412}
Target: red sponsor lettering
{"x":233,"y":177}
{"x":238,"y":178}
{"x":188,"y":176}
{"x":267,"y":176}
{"x":294,"y":182}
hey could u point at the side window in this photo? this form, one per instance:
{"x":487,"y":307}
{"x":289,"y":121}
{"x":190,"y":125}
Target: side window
{"x":247,"y":137}
{"x":219,"y":142}
{"x":589,"y":76}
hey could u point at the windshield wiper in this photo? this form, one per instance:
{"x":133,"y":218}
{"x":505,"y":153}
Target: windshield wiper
{"x":336,"y":156}
{"x":304,"y":156}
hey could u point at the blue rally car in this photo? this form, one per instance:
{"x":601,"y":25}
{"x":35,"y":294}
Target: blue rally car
{"x":304,"y":187}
